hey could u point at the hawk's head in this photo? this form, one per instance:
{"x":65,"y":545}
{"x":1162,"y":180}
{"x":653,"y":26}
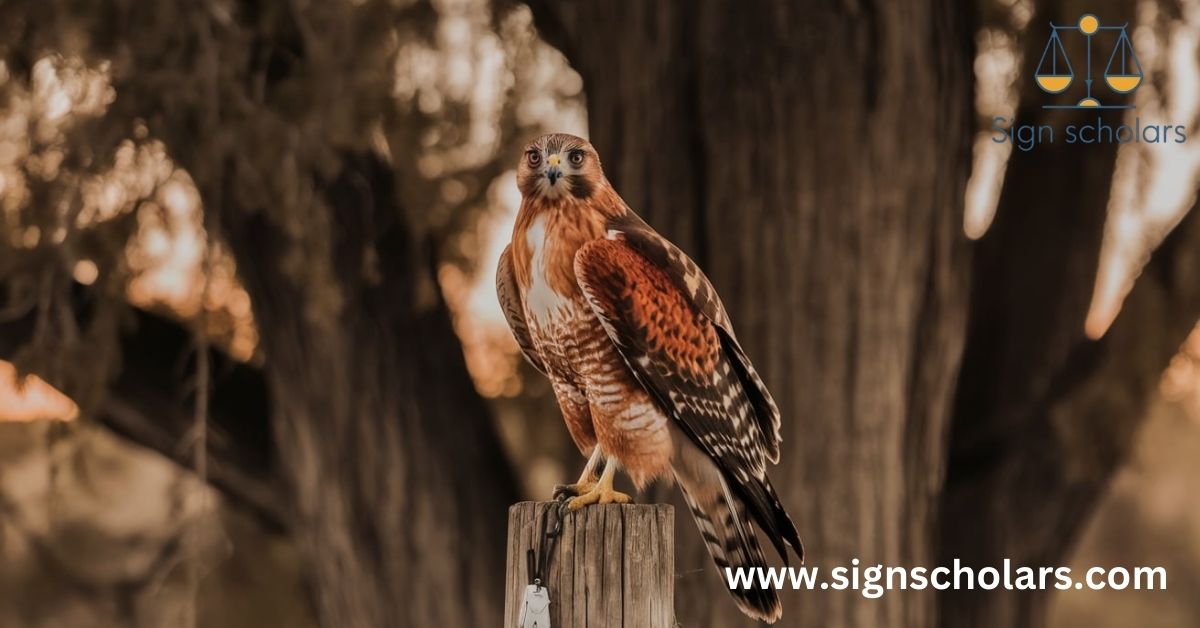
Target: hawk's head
{"x":559,"y":166}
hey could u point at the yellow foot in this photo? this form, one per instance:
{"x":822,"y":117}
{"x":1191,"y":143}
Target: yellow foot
{"x":598,"y":495}
{"x":572,"y":490}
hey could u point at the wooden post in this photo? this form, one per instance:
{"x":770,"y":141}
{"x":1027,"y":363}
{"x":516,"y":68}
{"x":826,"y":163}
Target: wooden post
{"x":613,"y":565}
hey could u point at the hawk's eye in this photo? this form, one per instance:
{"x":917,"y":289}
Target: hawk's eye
{"x":576,"y":158}
{"x":534,"y":158}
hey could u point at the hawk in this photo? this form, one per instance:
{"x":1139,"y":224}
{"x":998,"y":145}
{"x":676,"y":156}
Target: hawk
{"x":642,"y":358}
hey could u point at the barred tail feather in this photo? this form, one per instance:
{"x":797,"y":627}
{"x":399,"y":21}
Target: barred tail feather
{"x":727,"y":530}
{"x":736,"y":550}
{"x":765,"y":507}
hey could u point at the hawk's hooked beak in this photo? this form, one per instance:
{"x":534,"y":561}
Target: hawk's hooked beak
{"x":553,"y":173}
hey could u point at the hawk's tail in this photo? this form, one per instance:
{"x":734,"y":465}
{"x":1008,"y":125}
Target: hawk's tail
{"x":726,"y":529}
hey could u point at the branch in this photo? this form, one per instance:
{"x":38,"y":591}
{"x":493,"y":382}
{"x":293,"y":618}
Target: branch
{"x":148,"y":403}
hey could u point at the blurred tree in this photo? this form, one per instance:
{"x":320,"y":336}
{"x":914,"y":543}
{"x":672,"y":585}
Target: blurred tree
{"x":812,"y":157}
{"x":394,"y":483}
{"x":1043,"y":415}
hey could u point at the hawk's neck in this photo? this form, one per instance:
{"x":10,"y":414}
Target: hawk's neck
{"x":547,"y":235}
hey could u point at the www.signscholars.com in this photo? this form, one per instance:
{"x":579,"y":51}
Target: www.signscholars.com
{"x":874,"y":580}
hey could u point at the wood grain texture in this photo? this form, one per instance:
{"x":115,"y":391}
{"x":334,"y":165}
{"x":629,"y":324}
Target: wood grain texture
{"x":613,"y":566}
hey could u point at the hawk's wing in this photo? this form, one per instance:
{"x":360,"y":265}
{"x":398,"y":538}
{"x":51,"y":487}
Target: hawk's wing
{"x":684,"y":359}
{"x":514,"y":313}
{"x":687,"y":277}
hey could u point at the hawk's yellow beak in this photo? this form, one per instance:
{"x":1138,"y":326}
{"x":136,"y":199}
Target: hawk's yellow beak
{"x":553,"y":172}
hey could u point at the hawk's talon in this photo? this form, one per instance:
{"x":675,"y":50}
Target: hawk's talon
{"x":598,"y":495}
{"x":587,"y":479}
{"x":573,"y":490}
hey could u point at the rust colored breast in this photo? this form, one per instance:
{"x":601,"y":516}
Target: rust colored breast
{"x":559,"y":336}
{"x":599,"y":397}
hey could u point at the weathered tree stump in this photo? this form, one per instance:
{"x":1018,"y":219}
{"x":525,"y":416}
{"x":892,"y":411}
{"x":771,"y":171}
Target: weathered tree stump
{"x":612,"y":565}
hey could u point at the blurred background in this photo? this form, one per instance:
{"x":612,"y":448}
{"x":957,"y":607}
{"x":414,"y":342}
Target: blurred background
{"x":254,"y":372}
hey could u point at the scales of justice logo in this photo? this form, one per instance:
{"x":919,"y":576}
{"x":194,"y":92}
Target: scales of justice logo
{"x":1056,"y":73}
{"x":1122,"y":74}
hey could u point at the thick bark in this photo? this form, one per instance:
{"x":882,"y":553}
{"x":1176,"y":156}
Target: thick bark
{"x":812,"y":157}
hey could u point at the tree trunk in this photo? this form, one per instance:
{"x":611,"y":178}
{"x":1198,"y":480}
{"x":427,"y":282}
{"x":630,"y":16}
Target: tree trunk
{"x":812,"y":158}
{"x":393,"y":481}
{"x":399,"y":481}
{"x":813,"y":162}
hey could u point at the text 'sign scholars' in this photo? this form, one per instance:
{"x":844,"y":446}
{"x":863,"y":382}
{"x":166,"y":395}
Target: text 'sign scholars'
{"x":1026,"y":137}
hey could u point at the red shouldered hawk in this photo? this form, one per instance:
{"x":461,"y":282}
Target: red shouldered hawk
{"x":642,"y":358}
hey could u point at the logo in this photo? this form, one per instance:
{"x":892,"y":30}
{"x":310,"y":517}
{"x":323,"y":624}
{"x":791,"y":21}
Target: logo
{"x":1122,"y":74}
{"x":1057,"y":72}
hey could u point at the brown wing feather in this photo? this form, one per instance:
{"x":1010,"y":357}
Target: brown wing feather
{"x":678,"y":355}
{"x":514,"y":312}
{"x":686,"y":276}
